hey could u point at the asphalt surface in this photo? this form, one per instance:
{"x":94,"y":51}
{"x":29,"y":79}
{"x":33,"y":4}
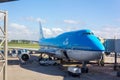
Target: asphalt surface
{"x":32,"y":70}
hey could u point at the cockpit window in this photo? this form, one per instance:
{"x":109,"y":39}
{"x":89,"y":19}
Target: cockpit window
{"x":85,"y":33}
{"x":88,"y":33}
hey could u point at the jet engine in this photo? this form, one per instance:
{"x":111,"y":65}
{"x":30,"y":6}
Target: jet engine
{"x":23,"y":56}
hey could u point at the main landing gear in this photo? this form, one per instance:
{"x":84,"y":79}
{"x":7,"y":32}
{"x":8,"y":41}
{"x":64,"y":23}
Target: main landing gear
{"x":84,"y":68}
{"x":46,"y":60}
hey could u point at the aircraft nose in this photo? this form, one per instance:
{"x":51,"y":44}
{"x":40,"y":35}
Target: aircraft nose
{"x":99,"y":46}
{"x":96,"y":44}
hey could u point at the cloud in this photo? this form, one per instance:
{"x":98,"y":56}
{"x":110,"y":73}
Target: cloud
{"x":71,"y":22}
{"x":47,"y":32}
{"x":18,"y":31}
{"x":41,"y":20}
{"x":32,"y":19}
{"x":19,"y":28}
{"x":108,"y":31}
{"x":52,"y":32}
{"x":57,"y":30}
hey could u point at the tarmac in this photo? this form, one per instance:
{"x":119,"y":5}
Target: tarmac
{"x":34,"y":71}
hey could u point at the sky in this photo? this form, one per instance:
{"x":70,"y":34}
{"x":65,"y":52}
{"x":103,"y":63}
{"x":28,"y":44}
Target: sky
{"x":59,"y":16}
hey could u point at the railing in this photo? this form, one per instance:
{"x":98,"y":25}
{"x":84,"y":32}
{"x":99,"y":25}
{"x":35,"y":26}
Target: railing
{"x":3,"y":44}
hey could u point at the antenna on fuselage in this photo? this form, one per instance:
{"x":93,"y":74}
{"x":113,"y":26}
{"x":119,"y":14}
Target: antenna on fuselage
{"x":41,"y":31}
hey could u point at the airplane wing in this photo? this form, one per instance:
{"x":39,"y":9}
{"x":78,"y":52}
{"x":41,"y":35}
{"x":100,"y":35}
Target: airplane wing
{"x":24,"y":53}
{"x":50,"y":52}
{"x":30,"y":49}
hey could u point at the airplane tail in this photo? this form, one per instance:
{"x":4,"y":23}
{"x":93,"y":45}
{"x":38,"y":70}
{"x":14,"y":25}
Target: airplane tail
{"x":41,"y":31}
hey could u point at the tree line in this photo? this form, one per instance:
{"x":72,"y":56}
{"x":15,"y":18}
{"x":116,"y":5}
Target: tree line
{"x":23,"y":41}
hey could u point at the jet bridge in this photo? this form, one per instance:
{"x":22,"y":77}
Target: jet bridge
{"x":3,"y":44}
{"x":113,"y":46}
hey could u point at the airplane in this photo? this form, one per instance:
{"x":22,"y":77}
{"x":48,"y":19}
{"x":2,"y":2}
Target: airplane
{"x":80,"y":45}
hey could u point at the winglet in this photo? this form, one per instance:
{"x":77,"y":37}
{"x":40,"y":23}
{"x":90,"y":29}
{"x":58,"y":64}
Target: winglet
{"x":41,"y":31}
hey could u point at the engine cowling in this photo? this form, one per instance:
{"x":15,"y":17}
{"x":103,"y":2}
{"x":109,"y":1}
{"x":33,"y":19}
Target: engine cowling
{"x":24,"y":57}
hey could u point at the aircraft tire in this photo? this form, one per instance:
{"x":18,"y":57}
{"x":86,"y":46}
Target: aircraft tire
{"x":84,"y":70}
{"x":102,"y":62}
{"x":118,"y":74}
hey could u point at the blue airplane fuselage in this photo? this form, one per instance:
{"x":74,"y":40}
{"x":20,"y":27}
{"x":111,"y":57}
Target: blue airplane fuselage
{"x":77,"y":40}
{"x":81,"y":45}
